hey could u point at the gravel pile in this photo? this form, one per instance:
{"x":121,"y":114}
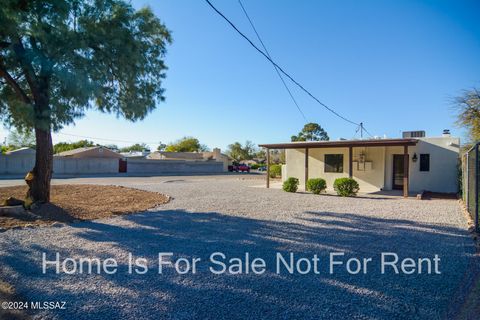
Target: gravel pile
{"x":224,"y":213}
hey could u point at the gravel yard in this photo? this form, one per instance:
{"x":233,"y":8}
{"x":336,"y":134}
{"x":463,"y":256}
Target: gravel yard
{"x":226,"y":214}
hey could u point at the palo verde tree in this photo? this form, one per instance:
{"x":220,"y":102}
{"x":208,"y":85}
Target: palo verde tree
{"x":59,"y":58}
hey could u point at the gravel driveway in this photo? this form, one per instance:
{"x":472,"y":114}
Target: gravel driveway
{"x":225,"y":213}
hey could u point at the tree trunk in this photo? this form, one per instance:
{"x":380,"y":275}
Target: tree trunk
{"x":38,"y":179}
{"x":39,"y":182}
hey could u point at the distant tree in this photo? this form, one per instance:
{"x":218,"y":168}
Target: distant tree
{"x":112,"y":147}
{"x":59,"y":58}
{"x":137,"y":147}
{"x":468,"y":106}
{"x":161,"y":146}
{"x":67,"y":146}
{"x":241,"y":152}
{"x":277,"y":156}
{"x":5,"y":149}
{"x":186,"y":144}
{"x":21,"y":138}
{"x":311,"y":132}
{"x":237,"y":152}
{"x":261,"y":155}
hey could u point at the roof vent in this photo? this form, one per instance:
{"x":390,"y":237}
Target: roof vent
{"x":413,"y":134}
{"x":446,"y":133}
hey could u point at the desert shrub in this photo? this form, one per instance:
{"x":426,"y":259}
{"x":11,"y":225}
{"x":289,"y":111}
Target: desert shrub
{"x":346,"y":187}
{"x":255,"y":166}
{"x":290,"y":185}
{"x":275,"y":170}
{"x":316,"y":185}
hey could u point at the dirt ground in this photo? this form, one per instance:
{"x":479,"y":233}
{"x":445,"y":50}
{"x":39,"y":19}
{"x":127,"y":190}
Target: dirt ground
{"x":82,"y":202}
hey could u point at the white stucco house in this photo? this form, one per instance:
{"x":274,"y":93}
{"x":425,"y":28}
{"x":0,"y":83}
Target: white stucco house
{"x":414,"y":163}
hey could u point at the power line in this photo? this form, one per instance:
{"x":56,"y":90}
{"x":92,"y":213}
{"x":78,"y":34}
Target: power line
{"x":102,"y":139}
{"x":275,"y":67}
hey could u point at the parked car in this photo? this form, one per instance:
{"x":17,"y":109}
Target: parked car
{"x":262,"y":168}
{"x":243,"y":168}
{"x":239,"y":168}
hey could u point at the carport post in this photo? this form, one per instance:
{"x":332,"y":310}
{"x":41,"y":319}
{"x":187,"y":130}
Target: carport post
{"x":306,"y":168}
{"x":350,"y":162}
{"x":405,"y":171}
{"x":268,"y":168}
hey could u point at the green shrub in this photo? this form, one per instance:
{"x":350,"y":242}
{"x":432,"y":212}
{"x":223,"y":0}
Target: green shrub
{"x":346,"y":187}
{"x":317,"y":185}
{"x":290,"y":185}
{"x":275,"y":170}
{"x":255,"y":166}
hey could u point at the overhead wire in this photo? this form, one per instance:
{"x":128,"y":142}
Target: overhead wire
{"x":275,"y":67}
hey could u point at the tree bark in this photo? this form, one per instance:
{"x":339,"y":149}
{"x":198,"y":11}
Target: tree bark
{"x":41,"y":175}
{"x":39,"y":178}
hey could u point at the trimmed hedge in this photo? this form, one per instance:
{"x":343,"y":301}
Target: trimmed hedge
{"x":316,"y":185}
{"x":346,"y":187}
{"x":290,"y":185}
{"x":275,"y":170}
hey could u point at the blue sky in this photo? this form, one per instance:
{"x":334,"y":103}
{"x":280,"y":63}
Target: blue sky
{"x":395,"y":65}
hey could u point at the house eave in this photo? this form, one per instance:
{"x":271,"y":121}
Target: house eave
{"x":341,"y":143}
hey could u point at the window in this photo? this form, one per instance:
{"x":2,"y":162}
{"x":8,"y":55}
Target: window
{"x":334,"y":163}
{"x":425,"y":162}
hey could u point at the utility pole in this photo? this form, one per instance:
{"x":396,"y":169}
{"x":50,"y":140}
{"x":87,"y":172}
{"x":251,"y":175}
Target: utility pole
{"x":361,"y":130}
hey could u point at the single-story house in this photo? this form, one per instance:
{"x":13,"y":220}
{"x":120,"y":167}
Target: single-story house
{"x":214,"y":155}
{"x":90,"y":152}
{"x":414,"y":163}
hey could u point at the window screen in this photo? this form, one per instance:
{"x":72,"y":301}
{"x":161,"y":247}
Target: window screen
{"x":424,"y":162}
{"x":334,"y":163}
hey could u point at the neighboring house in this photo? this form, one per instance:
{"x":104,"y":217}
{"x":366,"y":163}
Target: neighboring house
{"x":164,"y":155}
{"x":135,"y":154}
{"x":90,"y":152}
{"x":22,"y":151}
{"x":214,"y":155}
{"x":413,"y":163}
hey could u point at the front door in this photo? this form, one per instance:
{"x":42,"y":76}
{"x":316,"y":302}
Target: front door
{"x":398,"y":169}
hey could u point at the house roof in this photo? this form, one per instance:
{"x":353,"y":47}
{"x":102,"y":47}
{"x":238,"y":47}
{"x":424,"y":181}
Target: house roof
{"x":23,"y":150}
{"x":341,"y":143}
{"x":74,"y":151}
{"x":77,"y":151}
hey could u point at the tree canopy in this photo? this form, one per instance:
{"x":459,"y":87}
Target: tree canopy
{"x":186,"y":144}
{"x":66,"y":146}
{"x":82,"y":55}
{"x":247,"y":151}
{"x":138,"y":147}
{"x":311,"y":132}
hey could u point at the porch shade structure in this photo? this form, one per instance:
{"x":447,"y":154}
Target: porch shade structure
{"x":350,"y":144}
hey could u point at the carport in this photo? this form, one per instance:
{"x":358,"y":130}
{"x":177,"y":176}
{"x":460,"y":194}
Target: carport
{"x":348,"y":145}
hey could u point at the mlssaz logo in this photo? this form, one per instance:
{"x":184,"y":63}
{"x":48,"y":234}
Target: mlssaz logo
{"x":48,"y":305}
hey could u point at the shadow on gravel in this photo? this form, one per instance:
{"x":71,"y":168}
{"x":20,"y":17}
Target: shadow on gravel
{"x":270,"y":295}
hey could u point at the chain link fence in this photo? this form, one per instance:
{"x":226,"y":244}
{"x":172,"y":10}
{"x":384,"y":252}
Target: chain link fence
{"x":470,"y":180}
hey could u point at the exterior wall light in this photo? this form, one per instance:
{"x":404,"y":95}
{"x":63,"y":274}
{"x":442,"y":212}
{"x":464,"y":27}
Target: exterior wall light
{"x":414,"y":158}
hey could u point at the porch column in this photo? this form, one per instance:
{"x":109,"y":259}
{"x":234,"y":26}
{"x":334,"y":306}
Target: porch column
{"x":350,"y":162}
{"x":405,"y":171}
{"x":268,"y":168}
{"x":306,"y":168}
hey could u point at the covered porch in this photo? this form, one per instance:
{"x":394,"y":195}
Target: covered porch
{"x":306,"y":160}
